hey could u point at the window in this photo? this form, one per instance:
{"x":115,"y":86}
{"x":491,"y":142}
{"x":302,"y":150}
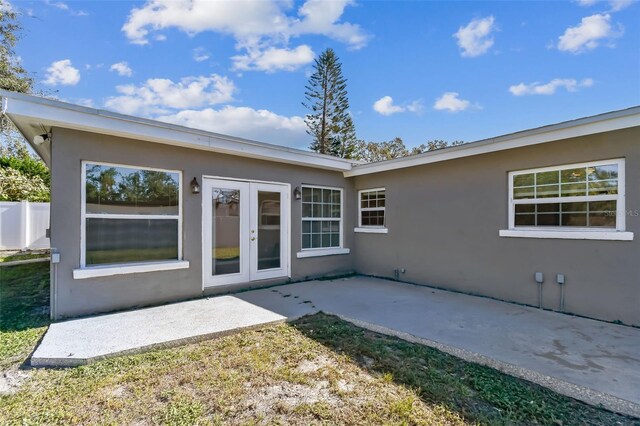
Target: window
{"x":371,"y":208}
{"x":130,"y":215}
{"x":321,"y":217}
{"x":588,"y":196}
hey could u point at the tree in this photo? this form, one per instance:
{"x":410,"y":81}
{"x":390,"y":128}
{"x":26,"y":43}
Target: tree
{"x":329,"y":122}
{"x":395,"y":148}
{"x":23,"y":176}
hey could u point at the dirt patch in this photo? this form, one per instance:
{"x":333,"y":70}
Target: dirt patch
{"x":11,"y":381}
{"x":311,"y":366}
{"x":286,"y":395}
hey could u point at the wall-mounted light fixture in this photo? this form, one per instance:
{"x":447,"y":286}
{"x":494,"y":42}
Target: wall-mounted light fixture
{"x":40,"y":139}
{"x":297,"y":194}
{"x":195,"y":186}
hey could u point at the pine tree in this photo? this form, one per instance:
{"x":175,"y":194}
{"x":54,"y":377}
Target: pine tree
{"x":329,"y":122}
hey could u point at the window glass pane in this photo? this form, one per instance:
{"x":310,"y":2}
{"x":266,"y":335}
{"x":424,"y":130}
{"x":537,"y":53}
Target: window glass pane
{"x":525,"y":220}
{"x":306,"y":195}
{"x":306,"y":210}
{"x":548,"y":219}
{"x":603,"y":206}
{"x":574,"y":189}
{"x":335,"y":197}
{"x":306,"y":241}
{"x":525,"y":208}
{"x":603,"y":172}
{"x":574,"y":207}
{"x":523,"y":180}
{"x":574,"y":219}
{"x":130,"y":240}
{"x":546,"y":178}
{"x":603,"y":187}
{"x":125,"y":190}
{"x":548,"y":208}
{"x":602,"y":219}
{"x":547,"y":191}
{"x":573,"y":175}
{"x":521,"y":193}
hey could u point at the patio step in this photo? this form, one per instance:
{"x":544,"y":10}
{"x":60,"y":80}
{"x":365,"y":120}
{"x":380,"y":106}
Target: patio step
{"x":85,"y":340}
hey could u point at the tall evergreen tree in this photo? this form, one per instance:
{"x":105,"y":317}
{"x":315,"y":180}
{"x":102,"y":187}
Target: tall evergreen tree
{"x":329,"y":122}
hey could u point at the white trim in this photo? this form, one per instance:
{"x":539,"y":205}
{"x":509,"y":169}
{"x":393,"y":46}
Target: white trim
{"x":333,"y":219}
{"x":361,"y":209}
{"x":134,"y":268}
{"x":32,"y":113}
{"x":84,"y":215}
{"x":619,"y":198}
{"x":371,"y":230}
{"x":322,"y":252}
{"x":606,"y":122}
{"x":568,"y":235}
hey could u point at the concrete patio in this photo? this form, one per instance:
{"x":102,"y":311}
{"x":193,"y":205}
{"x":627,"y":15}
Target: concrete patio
{"x":589,"y":360}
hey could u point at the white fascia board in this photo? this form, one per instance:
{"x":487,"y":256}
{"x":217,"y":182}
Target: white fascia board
{"x":23,"y":109}
{"x":581,"y":127}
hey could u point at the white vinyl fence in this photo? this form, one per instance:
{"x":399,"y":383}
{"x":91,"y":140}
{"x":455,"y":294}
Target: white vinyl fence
{"x":23,"y":225}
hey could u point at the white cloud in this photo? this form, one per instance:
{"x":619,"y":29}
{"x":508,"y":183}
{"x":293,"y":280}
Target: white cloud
{"x":245,"y":122}
{"x":122,"y":68}
{"x":62,"y":72}
{"x":451,"y":102}
{"x":615,"y":5}
{"x":618,"y":5}
{"x":385,"y":106}
{"x":475,"y":38}
{"x":63,"y":6}
{"x":161,"y":95}
{"x":274,"y":59}
{"x":537,"y":88}
{"x":588,"y":35}
{"x":200,"y":54}
{"x":262,"y":28}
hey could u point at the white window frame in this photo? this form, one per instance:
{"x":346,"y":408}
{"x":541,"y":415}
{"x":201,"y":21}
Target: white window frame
{"x":371,"y":229}
{"x":324,"y":251}
{"x":591,"y":233}
{"x":133,"y":267}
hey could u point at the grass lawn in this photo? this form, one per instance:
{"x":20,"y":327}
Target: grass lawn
{"x":10,"y":256}
{"x":317,"y":370}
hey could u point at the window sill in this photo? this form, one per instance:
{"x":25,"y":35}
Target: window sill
{"x":110,"y":270}
{"x":365,"y":230}
{"x":322,"y":252}
{"x":569,"y":235}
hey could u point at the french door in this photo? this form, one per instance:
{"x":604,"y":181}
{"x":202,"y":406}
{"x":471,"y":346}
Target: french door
{"x":245,"y":231}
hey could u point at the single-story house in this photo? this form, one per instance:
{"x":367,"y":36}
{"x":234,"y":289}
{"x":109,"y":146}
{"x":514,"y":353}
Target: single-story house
{"x":144,"y":212}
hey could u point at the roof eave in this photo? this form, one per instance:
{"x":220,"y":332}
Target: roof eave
{"x":615,"y":120}
{"x":29,"y":112}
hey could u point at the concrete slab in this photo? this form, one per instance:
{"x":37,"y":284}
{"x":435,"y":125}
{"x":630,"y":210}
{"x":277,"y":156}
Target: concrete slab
{"x":590,"y":360}
{"x":84,"y":340}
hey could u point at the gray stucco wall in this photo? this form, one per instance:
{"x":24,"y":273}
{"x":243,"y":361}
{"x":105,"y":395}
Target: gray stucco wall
{"x":444,"y":218}
{"x":78,"y":297}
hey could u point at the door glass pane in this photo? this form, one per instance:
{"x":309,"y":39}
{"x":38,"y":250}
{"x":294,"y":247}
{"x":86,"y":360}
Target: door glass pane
{"x":268,"y":230}
{"x":225,"y":250}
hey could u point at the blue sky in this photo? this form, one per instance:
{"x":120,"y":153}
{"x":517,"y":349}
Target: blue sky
{"x":419,"y":70}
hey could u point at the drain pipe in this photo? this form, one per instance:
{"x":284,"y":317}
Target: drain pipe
{"x":560,"y":281}
{"x":539,"y":279}
{"x":55,"y":260}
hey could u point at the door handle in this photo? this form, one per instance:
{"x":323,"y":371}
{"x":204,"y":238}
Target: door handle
{"x":253,"y":238}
